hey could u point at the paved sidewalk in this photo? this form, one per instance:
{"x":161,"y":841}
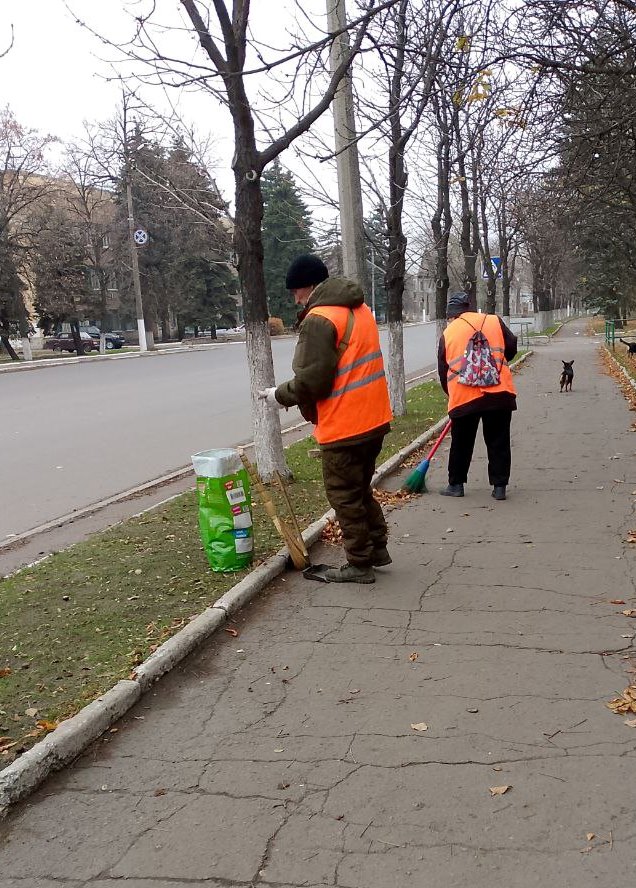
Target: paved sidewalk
{"x":287,"y":757}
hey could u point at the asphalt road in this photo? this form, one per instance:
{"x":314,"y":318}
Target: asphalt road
{"x":73,"y":435}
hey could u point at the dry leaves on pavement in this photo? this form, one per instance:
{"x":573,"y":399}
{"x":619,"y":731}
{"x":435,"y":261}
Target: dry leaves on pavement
{"x":626,"y":702}
{"x":420,"y":726}
{"x":392,"y":498}
{"x":499,"y":790}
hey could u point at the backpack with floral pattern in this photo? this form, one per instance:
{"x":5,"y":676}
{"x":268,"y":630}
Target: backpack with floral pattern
{"x":478,"y":367}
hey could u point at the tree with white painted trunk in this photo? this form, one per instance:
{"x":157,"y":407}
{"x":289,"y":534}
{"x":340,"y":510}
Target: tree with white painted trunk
{"x":411,"y":38}
{"x":232,"y":57}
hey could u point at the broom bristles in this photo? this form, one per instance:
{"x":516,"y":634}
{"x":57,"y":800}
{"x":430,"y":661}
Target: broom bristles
{"x":416,"y":481}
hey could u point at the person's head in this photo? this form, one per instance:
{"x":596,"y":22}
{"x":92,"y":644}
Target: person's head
{"x":457,"y":304}
{"x":304,"y":275}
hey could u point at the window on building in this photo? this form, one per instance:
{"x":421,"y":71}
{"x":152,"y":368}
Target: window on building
{"x":105,"y":242}
{"x":112,"y":282}
{"x":94,"y":280}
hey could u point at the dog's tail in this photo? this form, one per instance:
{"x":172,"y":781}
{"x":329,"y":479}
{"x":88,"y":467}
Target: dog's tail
{"x":624,"y":341}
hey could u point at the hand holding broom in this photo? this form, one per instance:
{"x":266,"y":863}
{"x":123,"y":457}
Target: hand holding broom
{"x":416,"y":481}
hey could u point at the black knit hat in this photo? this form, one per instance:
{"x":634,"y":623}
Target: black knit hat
{"x":305,"y":271}
{"x":457,"y":303}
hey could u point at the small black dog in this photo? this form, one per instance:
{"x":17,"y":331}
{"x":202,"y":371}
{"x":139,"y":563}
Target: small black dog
{"x":631,"y":347}
{"x":567,"y":376}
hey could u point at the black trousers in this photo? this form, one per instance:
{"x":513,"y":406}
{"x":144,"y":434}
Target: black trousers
{"x":347,"y":473}
{"x":496,"y":431}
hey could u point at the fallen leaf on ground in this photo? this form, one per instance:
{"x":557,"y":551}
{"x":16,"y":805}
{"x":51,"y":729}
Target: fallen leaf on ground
{"x":625,"y":703}
{"x":589,"y":836}
{"x":420,"y":726}
{"x":7,"y":743}
{"x":159,"y":792}
{"x":629,"y":613}
{"x":231,"y":632}
{"x":31,"y":712}
{"x":616,"y":601}
{"x":6,"y":670}
{"x":499,"y":790}
{"x":413,"y":656}
{"x":631,"y":722}
{"x":46,"y":725}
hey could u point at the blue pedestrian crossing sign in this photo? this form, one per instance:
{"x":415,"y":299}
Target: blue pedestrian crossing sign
{"x":495,"y":261}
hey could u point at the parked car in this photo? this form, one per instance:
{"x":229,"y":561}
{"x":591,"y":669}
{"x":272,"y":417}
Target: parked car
{"x":113,"y":340}
{"x":65,"y":342}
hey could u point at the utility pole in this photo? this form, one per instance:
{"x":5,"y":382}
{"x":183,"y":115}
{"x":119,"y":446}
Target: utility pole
{"x":141,"y":327}
{"x":349,"y":187}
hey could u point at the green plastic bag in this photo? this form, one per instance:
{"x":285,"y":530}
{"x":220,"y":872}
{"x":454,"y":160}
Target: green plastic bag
{"x":225,"y":509}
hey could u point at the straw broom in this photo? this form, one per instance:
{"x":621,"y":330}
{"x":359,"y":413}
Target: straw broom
{"x":297,"y":550}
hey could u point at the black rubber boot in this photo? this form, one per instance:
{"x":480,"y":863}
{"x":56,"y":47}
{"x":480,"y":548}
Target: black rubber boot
{"x":349,"y":573}
{"x":499,"y":492}
{"x":453,"y":490}
{"x":381,"y":557}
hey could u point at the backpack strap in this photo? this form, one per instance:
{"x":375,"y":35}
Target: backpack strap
{"x":346,"y":339}
{"x":471,"y":326}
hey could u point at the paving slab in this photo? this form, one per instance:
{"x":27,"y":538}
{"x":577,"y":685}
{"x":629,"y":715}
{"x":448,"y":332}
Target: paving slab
{"x":288,"y":756}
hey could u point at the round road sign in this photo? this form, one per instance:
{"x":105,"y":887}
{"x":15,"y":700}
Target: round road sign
{"x":141,"y":237}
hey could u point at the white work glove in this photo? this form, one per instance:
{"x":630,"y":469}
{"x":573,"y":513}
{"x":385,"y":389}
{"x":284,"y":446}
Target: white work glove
{"x":269,"y":396}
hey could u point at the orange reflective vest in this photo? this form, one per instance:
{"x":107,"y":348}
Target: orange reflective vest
{"x":456,"y":337}
{"x":359,"y":399}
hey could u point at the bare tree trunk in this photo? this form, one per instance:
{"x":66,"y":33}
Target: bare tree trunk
{"x":396,"y":261}
{"x":441,"y":227}
{"x":10,"y":349}
{"x":268,"y":442}
{"x":77,"y":339}
{"x":395,"y":367}
{"x":469,"y":247}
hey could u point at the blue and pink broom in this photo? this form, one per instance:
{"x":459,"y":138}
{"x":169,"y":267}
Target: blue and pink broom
{"x":416,"y":481}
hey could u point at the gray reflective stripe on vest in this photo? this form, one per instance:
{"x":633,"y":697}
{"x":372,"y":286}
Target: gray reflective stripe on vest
{"x":357,"y":384}
{"x":359,"y":363}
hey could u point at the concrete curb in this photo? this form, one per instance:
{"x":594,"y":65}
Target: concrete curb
{"x":625,"y":373}
{"x":73,"y":735}
{"x":65,"y":743}
{"x":18,"y":366}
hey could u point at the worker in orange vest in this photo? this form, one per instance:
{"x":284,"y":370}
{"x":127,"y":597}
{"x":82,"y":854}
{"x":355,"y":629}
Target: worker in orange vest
{"x":472,"y":359}
{"x":340,"y":386}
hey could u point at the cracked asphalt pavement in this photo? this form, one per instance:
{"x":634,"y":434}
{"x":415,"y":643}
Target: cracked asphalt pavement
{"x":286,"y":757}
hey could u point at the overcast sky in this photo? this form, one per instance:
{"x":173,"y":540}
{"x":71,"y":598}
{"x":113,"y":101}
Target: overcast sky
{"x":55,"y":75}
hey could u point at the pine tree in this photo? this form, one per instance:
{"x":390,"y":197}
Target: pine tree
{"x":186,"y":270}
{"x":286,"y":234}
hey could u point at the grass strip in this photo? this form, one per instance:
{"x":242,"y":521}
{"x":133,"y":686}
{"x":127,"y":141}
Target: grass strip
{"x":73,"y":625}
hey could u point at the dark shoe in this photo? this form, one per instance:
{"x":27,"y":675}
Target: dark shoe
{"x":499,"y":492}
{"x":381,"y":557}
{"x":349,"y":573}
{"x":453,"y":490}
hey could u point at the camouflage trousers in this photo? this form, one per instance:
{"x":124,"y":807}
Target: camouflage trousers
{"x":347,"y":473}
